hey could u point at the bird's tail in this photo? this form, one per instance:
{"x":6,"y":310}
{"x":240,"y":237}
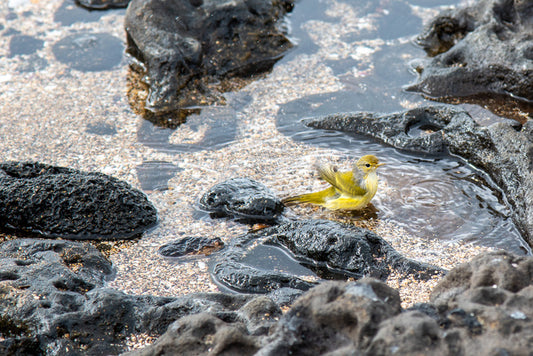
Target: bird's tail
{"x":314,"y":198}
{"x":297,"y":199}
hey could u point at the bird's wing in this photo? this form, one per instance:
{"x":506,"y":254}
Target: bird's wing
{"x":344,"y":182}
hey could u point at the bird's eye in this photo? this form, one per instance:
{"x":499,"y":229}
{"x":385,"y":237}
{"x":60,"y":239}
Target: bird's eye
{"x":368,"y":165}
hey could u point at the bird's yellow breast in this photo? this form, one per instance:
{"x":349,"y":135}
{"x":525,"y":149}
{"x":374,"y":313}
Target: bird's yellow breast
{"x":371,"y":184}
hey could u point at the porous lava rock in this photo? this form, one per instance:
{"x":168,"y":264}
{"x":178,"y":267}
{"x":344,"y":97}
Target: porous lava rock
{"x":53,"y":301}
{"x":484,"y":307}
{"x":185,"y":44}
{"x":62,"y":202}
{"x":483,"y":48}
{"x":204,"y":333}
{"x":503,"y":150}
{"x":332,"y":316}
{"x":243,"y":199}
{"x":328,"y":249}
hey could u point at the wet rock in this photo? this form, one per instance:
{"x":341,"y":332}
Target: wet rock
{"x":192,"y":245}
{"x":103,"y":4}
{"x":421,"y":130}
{"x":62,"y":202}
{"x":231,"y":273}
{"x":325,"y":249}
{"x":183,"y":45}
{"x":53,"y":299}
{"x":243,"y":199}
{"x":502,"y":150}
{"x":483,"y":48}
{"x":89,"y":52}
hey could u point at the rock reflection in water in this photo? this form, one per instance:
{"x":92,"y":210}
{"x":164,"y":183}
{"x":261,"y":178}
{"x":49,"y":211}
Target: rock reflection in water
{"x":446,"y":199}
{"x":430,"y":197}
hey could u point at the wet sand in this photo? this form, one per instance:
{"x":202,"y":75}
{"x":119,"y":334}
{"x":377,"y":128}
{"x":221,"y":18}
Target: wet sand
{"x":46,"y":116}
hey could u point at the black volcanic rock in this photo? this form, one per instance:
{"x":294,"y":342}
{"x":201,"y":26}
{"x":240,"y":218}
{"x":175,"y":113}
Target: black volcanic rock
{"x":486,"y":305}
{"x":325,"y":248}
{"x":53,"y":301}
{"x":484,"y":48}
{"x":103,"y":4}
{"x":62,"y":202}
{"x":483,"y":307}
{"x":503,"y":150}
{"x":184,"y":44}
{"x":243,"y":199}
{"x":191,"y":245}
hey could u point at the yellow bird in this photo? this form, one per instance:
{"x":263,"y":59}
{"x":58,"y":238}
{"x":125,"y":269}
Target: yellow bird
{"x":350,"y":190}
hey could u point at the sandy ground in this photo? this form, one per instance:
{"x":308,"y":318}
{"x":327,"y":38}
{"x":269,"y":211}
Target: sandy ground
{"x":44,"y":116}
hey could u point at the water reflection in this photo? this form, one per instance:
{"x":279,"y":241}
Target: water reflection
{"x":429,"y":197}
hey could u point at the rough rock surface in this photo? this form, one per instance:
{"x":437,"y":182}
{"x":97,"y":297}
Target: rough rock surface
{"x":191,"y":245}
{"x":484,"y":307}
{"x":332,"y":316}
{"x":62,"y":202}
{"x":53,"y":301}
{"x":183,"y":44}
{"x":503,"y":150}
{"x":483,"y":48}
{"x":103,"y":4}
{"x":327,"y":249}
{"x":243,"y":199}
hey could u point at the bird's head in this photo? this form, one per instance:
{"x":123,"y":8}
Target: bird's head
{"x":368,"y":164}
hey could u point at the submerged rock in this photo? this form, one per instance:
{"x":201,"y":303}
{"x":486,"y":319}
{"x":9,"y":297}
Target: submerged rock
{"x":325,"y":249}
{"x":185,"y":44}
{"x":192,"y":245}
{"x":243,"y":199}
{"x":62,"y":202}
{"x":53,"y":301}
{"x":103,"y":4}
{"x":483,"y":48}
{"x":503,"y":150}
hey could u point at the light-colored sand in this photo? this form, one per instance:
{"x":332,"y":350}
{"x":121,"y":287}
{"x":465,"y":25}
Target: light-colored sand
{"x":44,"y":115}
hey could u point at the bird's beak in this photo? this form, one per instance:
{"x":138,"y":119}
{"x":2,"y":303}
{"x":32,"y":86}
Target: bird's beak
{"x":380,"y":164}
